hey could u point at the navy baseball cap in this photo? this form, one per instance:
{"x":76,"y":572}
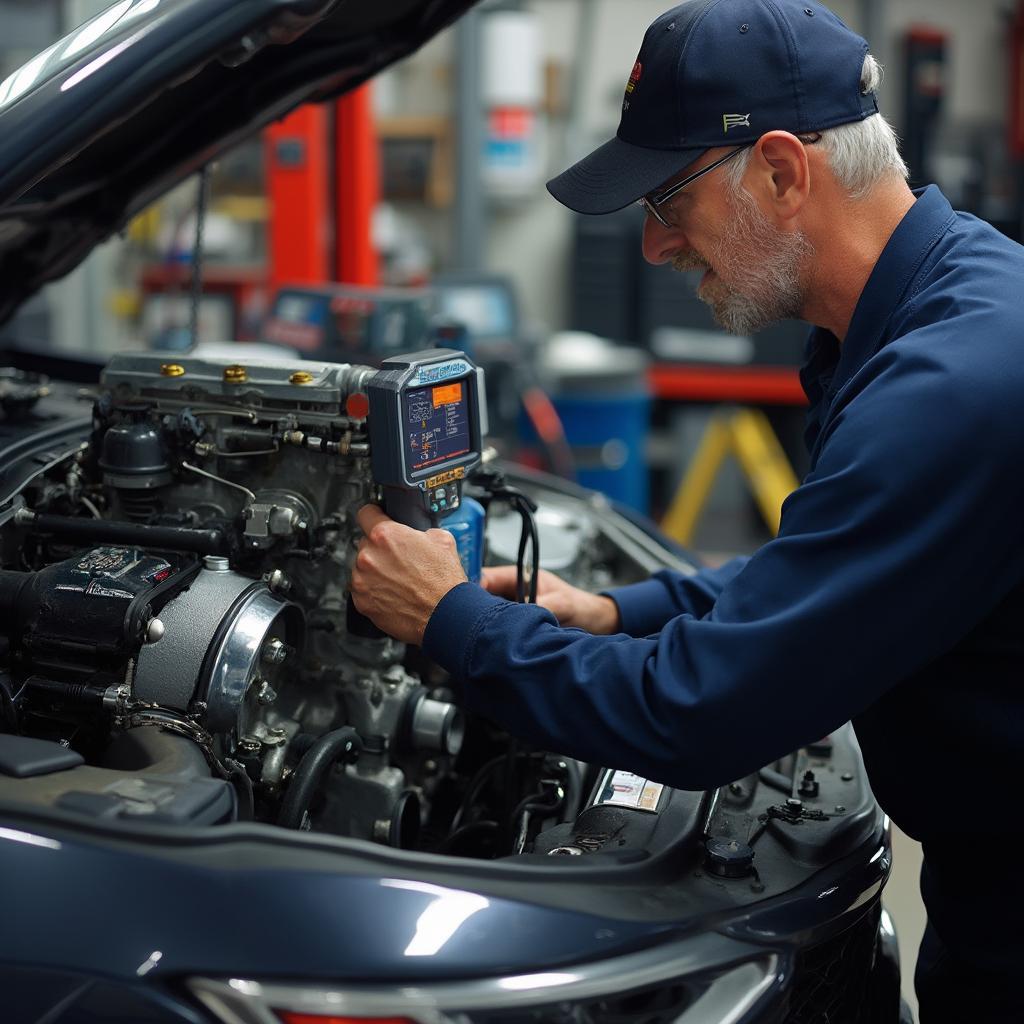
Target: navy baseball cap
{"x":720,"y":73}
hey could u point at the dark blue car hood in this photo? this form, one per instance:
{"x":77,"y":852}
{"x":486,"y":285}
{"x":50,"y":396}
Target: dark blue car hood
{"x":120,"y":110}
{"x":328,"y":924}
{"x":342,"y":909}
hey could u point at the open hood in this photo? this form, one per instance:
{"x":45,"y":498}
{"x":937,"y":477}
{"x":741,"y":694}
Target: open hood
{"x":120,"y":110}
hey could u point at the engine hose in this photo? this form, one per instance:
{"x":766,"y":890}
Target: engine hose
{"x":73,"y":693}
{"x":315,"y":764}
{"x":242,"y":784}
{"x":573,"y":789}
{"x":533,"y":804}
{"x":452,"y":842}
{"x":783,"y":783}
{"x":104,"y":531}
{"x":480,"y":780}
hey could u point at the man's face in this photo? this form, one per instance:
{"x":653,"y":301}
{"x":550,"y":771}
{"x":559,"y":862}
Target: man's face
{"x":753,"y":269}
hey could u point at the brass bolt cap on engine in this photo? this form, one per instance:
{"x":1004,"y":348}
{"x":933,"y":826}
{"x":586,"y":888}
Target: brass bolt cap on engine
{"x":172,"y":370}
{"x":301,"y":377}
{"x":235,"y":374}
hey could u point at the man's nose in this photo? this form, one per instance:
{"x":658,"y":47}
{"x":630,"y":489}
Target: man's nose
{"x":661,"y":244}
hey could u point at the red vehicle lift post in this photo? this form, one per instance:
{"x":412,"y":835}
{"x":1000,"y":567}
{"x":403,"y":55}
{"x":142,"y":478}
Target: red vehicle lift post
{"x":322,"y":183}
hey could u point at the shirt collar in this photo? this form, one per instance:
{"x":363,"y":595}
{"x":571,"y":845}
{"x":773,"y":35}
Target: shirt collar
{"x":830,"y":365}
{"x":915,"y":236}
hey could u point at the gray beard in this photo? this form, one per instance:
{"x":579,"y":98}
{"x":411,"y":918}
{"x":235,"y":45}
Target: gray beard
{"x":757,"y":270}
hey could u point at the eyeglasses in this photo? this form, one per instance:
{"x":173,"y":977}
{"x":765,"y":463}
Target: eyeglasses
{"x":653,"y":200}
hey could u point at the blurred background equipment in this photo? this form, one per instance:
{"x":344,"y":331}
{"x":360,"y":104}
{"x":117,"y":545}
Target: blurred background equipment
{"x":925,"y":78}
{"x":323,"y":184}
{"x":344,"y":323}
{"x":600,"y":397}
{"x":747,"y":435}
{"x":513,"y":86}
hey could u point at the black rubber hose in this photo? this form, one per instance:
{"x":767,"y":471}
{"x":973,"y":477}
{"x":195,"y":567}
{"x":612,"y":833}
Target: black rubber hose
{"x":172,"y":538}
{"x":573,"y":789}
{"x":73,"y":693}
{"x":245,"y":800}
{"x":476,"y":784}
{"x":316,"y":762}
{"x":480,"y":779}
{"x":454,"y":840}
{"x":770,"y":777}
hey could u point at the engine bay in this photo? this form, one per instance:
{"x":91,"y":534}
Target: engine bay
{"x":177,"y":644}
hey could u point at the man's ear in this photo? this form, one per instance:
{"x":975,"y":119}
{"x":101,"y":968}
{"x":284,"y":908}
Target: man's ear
{"x":782,"y":172}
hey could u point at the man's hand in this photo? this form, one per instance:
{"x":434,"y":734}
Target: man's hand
{"x":401,"y":574}
{"x":570,"y":605}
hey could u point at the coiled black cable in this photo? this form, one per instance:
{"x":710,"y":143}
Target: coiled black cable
{"x":493,"y":483}
{"x":526,"y":508}
{"x":316,"y":762}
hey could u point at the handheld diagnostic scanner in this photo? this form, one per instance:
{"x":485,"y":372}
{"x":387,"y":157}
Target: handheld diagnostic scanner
{"x":426,"y":423}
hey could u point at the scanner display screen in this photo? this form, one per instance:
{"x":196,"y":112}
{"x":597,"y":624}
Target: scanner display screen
{"x":437,"y":424}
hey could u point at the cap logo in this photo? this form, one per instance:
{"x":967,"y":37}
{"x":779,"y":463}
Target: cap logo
{"x":634,"y":77}
{"x":735,"y":121}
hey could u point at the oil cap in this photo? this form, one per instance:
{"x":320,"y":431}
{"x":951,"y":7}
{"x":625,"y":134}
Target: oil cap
{"x":728,"y":858}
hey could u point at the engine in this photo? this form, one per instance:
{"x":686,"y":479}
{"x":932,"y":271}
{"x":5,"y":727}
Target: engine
{"x":176,"y":624}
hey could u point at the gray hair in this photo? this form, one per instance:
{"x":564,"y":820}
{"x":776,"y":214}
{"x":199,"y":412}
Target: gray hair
{"x":861,"y":154}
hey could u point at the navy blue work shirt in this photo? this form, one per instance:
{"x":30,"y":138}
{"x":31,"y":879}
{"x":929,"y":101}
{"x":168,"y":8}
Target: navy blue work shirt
{"x":892,"y":595}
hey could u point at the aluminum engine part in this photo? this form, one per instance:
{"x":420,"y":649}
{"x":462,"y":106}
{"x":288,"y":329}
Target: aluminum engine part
{"x":400,"y":724}
{"x":212,"y":648}
{"x":137,"y":374}
{"x":300,"y":488}
{"x":388,"y":707}
{"x":362,"y":799}
{"x":276,"y":514}
{"x":435,"y":725}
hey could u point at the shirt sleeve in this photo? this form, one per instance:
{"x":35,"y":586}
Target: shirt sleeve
{"x":905,"y":535}
{"x":645,"y":607}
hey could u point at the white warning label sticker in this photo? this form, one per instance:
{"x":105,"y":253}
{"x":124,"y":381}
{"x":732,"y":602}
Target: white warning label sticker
{"x":624,"y":789}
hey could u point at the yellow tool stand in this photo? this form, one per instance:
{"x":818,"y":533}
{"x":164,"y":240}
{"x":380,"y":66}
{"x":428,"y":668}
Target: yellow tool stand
{"x":747,"y":435}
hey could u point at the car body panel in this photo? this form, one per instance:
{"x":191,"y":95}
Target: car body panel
{"x":303,"y":923}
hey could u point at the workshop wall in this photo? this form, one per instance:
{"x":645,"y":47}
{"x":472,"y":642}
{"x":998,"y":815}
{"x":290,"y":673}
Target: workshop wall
{"x":977,"y":53}
{"x":420,"y":88}
{"x":532,"y":243}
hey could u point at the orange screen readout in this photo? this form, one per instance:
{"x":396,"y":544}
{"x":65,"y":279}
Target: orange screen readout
{"x":446,"y":395}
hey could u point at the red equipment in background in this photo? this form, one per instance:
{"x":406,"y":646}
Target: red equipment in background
{"x":356,"y":189}
{"x":323,"y":185}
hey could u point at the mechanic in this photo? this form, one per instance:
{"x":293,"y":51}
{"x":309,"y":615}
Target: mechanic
{"x":894,"y":592}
